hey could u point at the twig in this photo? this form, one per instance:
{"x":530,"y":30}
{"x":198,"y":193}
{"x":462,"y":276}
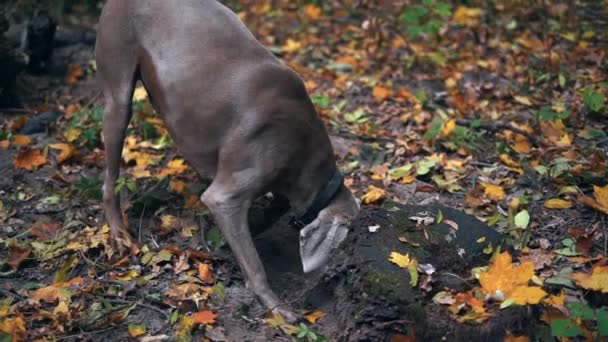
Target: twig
{"x":7,"y":273}
{"x":398,"y":321}
{"x":498,"y":126}
{"x":141,"y":217}
{"x":93,"y":332}
{"x":138,"y":303}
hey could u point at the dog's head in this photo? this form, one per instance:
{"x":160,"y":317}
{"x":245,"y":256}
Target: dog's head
{"x":319,"y":238}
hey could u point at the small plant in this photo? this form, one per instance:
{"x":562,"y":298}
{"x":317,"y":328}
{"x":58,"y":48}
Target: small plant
{"x":322,"y":101}
{"x":90,"y":123}
{"x":425,"y":18}
{"x":593,"y":100}
{"x":305,"y":333}
{"x":549,"y":113}
{"x":122,"y":183}
{"x":356,"y":117}
{"x":90,"y":188}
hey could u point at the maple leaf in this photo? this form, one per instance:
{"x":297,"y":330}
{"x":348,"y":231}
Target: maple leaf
{"x":600,"y":203}
{"x":174,"y":167}
{"x":597,"y":280}
{"x":400,"y":260}
{"x":493,"y":192}
{"x":66,"y":151}
{"x":204,"y":317}
{"x":29,"y":159}
{"x":504,"y":281}
{"x":373,"y":195}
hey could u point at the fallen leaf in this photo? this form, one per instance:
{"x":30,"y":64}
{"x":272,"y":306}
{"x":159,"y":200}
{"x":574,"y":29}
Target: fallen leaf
{"x":49,"y":294}
{"x":66,"y":151}
{"x":204,"y":317}
{"x":312,"y":11}
{"x":600,"y":203}
{"x":314,"y":316}
{"x":597,"y":280}
{"x":493,"y":192}
{"x":523,"y":100}
{"x":73,"y":74}
{"x":177,"y":186}
{"x":381,"y":93}
{"x":20,"y":140}
{"x":140,"y":94}
{"x":513,"y":338}
{"x":402,"y":338}
{"x":72,"y":134}
{"x":136,"y":330}
{"x":373,"y":195}
{"x":291,"y":45}
{"x":15,"y":327}
{"x":467,"y":16}
{"x":557,"y":203}
{"x":205,"y":274}
{"x":29,"y":159}
{"x":503,"y":281}
{"x":17,"y":255}
{"x":400,"y":260}
{"x":174,"y":167}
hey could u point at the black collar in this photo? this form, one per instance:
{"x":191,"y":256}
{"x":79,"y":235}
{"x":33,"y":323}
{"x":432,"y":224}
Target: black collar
{"x":324,"y":197}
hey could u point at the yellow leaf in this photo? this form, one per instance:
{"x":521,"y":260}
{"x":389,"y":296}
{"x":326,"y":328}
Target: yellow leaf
{"x":600,"y":202}
{"x":493,"y":192}
{"x":29,"y":159}
{"x":557,"y":203}
{"x":508,"y":282}
{"x":381,"y":93}
{"x":72,"y":134}
{"x":448,"y":128}
{"x":522,"y":100}
{"x":61,"y":309}
{"x":373,"y":195}
{"x":314,"y":316}
{"x":49,"y":294}
{"x":140,"y":94}
{"x":291,"y":46}
{"x":512,"y":338}
{"x":556,"y":301}
{"x":507,"y":160}
{"x":597,"y":280}
{"x":174,"y":167}
{"x":312,"y":11}
{"x":20,"y":140}
{"x":400,"y":260}
{"x":66,"y":151}
{"x":136,"y":330}
{"x":467,"y":16}
{"x":14,"y":327}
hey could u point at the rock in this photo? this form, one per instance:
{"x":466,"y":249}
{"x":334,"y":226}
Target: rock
{"x":40,"y":123}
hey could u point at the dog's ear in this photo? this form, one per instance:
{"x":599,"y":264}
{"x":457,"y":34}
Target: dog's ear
{"x":319,"y":239}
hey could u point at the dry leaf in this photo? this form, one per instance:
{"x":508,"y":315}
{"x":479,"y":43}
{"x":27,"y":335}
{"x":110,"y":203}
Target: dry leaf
{"x":373,"y":195}
{"x":72,"y":134}
{"x":174,"y":167}
{"x":400,"y":260}
{"x":29,"y":159}
{"x":382,"y":93}
{"x":73,"y":74}
{"x":314,"y":316}
{"x":600,"y":203}
{"x":15,"y":327}
{"x":49,"y":294}
{"x":136,"y":330}
{"x":503,"y":281}
{"x":291,"y":46}
{"x":467,"y":16}
{"x":140,"y":94}
{"x":493,"y":192}
{"x":205,"y":274}
{"x":177,"y":186}
{"x":597,"y":280}
{"x":20,"y":140}
{"x":66,"y":151}
{"x":312,"y":11}
{"x":17,"y":255}
{"x":204,"y":317}
{"x":558,"y":203}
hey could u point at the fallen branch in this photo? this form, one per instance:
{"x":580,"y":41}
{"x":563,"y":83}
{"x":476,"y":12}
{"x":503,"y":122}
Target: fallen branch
{"x":500,"y":126}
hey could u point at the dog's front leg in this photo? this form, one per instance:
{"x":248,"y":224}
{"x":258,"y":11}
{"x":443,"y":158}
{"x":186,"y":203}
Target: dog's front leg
{"x":229,"y":208}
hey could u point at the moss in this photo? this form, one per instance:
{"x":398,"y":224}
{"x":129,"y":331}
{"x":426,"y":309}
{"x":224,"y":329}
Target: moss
{"x":387,"y":284}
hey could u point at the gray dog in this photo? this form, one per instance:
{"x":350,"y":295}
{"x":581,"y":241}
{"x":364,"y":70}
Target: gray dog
{"x":236,"y":114}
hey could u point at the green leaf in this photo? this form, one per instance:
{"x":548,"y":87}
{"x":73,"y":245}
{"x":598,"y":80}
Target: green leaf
{"x":220,"y":291}
{"x":321,"y":100}
{"x":401,"y":171}
{"x":522,"y":219}
{"x":594,"y":100}
{"x":443,"y":9}
{"x":564,"y":328}
{"x":561,"y":80}
{"x":174,"y":317}
{"x":356,"y":117}
{"x":433,"y":132}
{"x":581,"y":310}
{"x":424,"y":166}
{"x":602,"y":322}
{"x":421,"y":96}
{"x":439,"y":217}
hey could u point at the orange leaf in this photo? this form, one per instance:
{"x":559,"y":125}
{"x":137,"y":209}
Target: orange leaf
{"x":312,"y":11}
{"x":177,"y":186}
{"x":596,"y":280}
{"x":49,"y":294}
{"x":29,"y":159}
{"x":66,"y":151}
{"x":493,"y":192}
{"x":314,"y":316}
{"x":73,"y":74}
{"x":600,"y":202}
{"x":382,"y":93}
{"x":5,"y":144}
{"x":14,"y":327}
{"x":174,"y":167}
{"x":204,"y":272}
{"x":21,"y":140}
{"x":17,"y":256}
{"x":204,"y":317}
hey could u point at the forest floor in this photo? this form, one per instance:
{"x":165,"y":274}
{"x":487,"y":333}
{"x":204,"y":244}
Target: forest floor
{"x":500,"y":113}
